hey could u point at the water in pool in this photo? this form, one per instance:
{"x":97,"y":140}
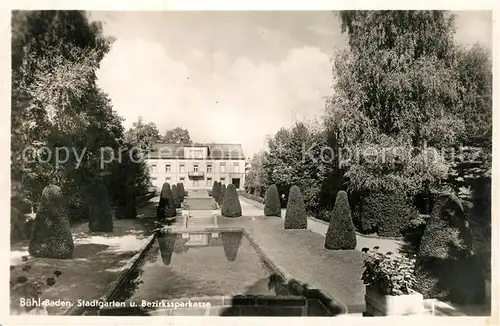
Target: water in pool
{"x":201,"y":265}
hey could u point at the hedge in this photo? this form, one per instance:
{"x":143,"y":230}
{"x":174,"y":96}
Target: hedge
{"x":387,"y":214}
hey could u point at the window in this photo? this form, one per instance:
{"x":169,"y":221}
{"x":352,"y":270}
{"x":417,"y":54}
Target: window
{"x":196,"y":153}
{"x":236,"y":167}
{"x":223,"y":167}
{"x":154,"y":178}
{"x":153,"y":167}
{"x":222,"y":180}
{"x":167,"y":179}
{"x":195,"y":167}
{"x":167,"y":168}
{"x":209,"y":167}
{"x":181,"y":167}
{"x":209,"y":182}
{"x":182,"y":179}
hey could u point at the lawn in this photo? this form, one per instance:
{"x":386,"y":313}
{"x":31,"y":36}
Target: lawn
{"x":301,"y":253}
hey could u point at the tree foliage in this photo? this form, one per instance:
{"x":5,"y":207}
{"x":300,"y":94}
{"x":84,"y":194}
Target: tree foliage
{"x":255,"y":181}
{"x":297,"y":157}
{"x":399,"y":87}
{"x":178,"y":136}
{"x":143,"y":135}
{"x":56,"y":103}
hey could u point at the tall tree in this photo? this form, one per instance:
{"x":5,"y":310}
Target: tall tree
{"x":400,"y":81}
{"x":297,"y":157}
{"x":177,"y":136}
{"x":56,"y":103}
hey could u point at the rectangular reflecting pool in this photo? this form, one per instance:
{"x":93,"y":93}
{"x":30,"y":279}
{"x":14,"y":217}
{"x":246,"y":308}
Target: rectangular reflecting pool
{"x":220,"y":273}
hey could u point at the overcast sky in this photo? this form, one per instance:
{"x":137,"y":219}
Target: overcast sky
{"x":230,"y":77}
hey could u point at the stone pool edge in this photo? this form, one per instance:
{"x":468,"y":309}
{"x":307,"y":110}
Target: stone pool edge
{"x":324,"y":297}
{"x":76,"y":310}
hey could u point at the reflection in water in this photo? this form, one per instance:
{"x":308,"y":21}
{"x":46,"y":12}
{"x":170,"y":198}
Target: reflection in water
{"x":231,"y":242}
{"x":130,"y":286}
{"x":166,"y":242}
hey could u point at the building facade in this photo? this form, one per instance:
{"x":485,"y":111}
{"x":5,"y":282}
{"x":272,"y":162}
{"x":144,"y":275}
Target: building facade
{"x":197,"y":166}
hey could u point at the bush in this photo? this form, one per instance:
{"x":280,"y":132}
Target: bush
{"x":341,"y":233}
{"x":389,"y":274}
{"x":127,"y":206}
{"x":100,"y":215}
{"x":272,"y":205}
{"x":180,"y":192}
{"x":170,"y":209}
{"x":446,"y":268}
{"x":212,"y":193}
{"x":175,"y":196}
{"x":51,"y":235}
{"x":446,"y":233}
{"x":162,"y":205}
{"x":387,"y":214}
{"x":231,"y":206}
{"x":217,"y":190}
{"x":295,"y":217}
{"x":222,"y":194}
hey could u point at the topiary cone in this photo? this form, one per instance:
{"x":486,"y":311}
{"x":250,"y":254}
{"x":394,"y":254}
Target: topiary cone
{"x":272,"y":206}
{"x":100,"y":215}
{"x":175,"y":196}
{"x":341,"y":233}
{"x":51,"y":234}
{"x":296,"y":216}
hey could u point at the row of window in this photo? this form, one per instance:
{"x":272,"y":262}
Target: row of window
{"x":182,"y":167}
{"x":182,"y":180}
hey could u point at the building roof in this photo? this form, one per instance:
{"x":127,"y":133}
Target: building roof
{"x":216,"y":151}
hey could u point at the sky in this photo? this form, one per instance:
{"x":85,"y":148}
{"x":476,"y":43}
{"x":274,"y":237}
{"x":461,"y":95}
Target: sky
{"x":230,"y":77}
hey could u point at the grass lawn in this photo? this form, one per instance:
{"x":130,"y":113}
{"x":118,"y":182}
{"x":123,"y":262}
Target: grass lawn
{"x":97,"y":260}
{"x":301,"y":253}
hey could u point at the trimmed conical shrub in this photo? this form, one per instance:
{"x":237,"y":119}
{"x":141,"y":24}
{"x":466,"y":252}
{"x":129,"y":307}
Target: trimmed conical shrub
{"x":162,"y":205}
{"x":100,"y":215}
{"x":446,"y":232}
{"x":180,"y":189}
{"x":216,"y":193}
{"x":127,"y":205}
{"x":222,"y":194}
{"x":166,"y":242}
{"x":231,"y":206}
{"x":170,"y":208}
{"x":446,"y":268}
{"x":272,"y":206}
{"x":51,"y":234}
{"x":213,"y":188}
{"x":231,"y":241}
{"x":341,"y":234}
{"x":295,"y":217}
{"x":175,"y":195}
